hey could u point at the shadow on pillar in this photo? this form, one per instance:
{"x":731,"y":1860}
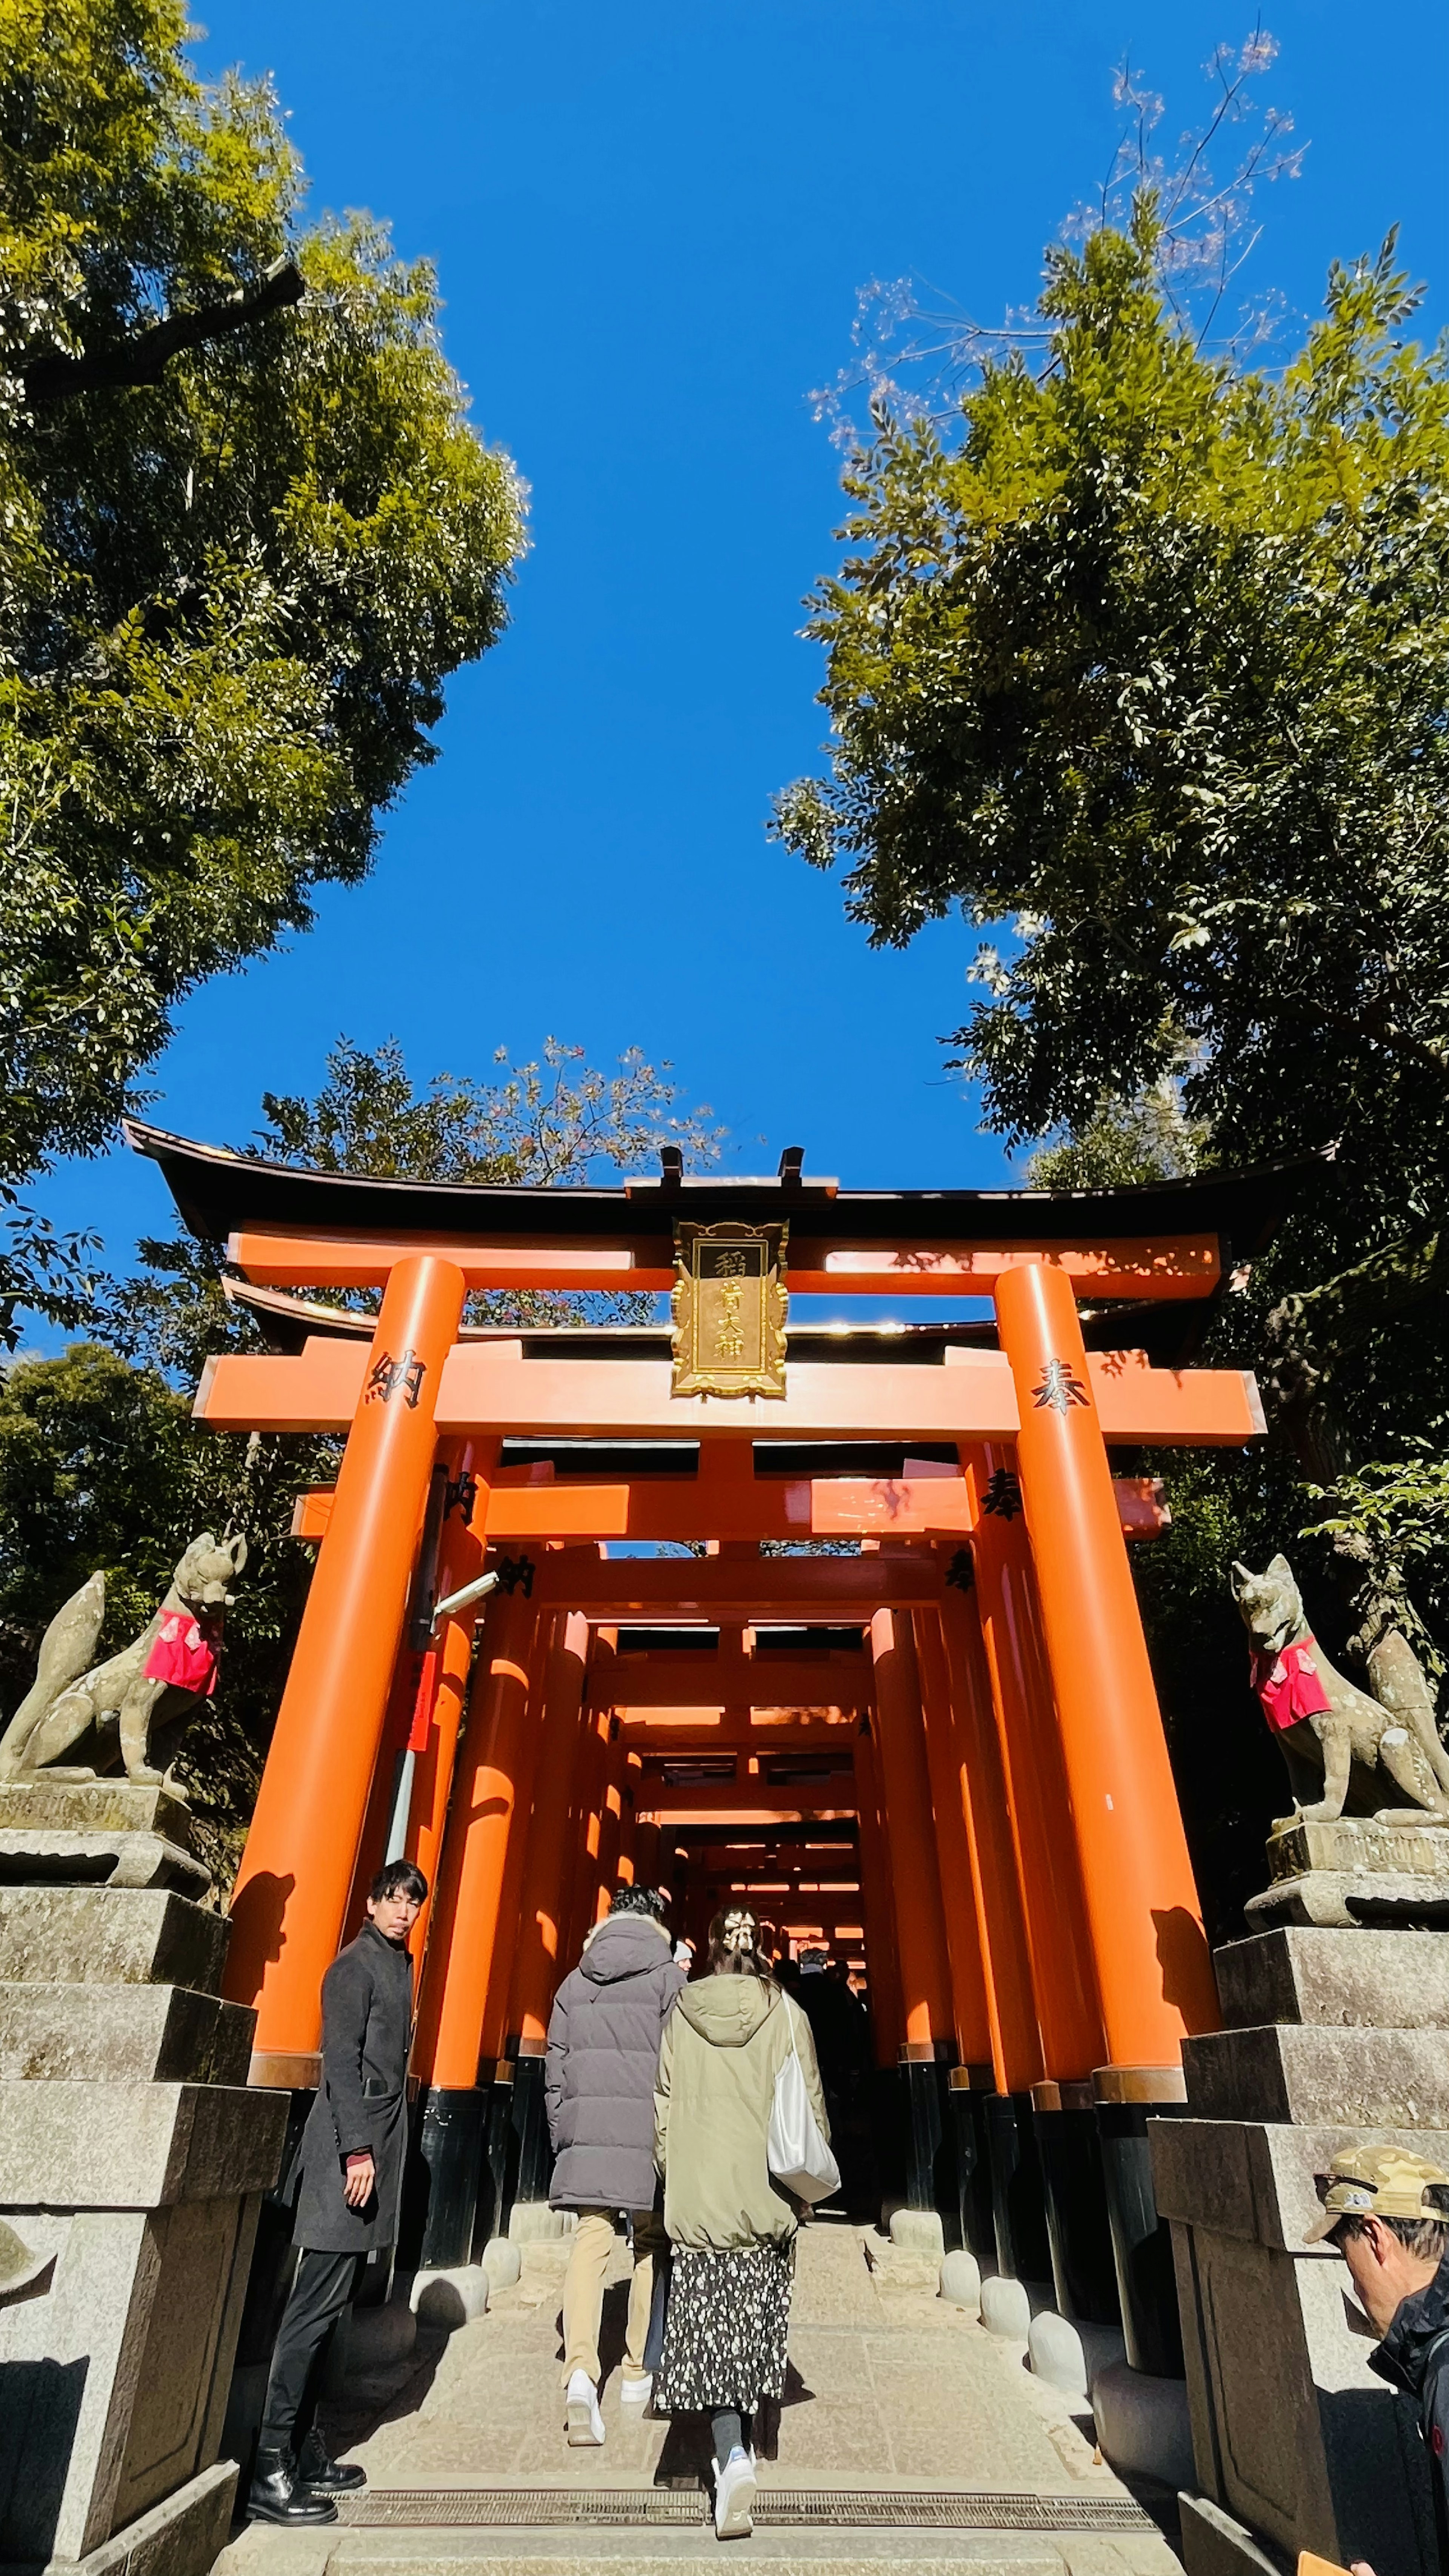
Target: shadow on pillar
{"x":888,"y":2130}
{"x":1018,"y":2199}
{"x":500,"y":2164}
{"x":1141,"y":2241}
{"x":966,"y":2110}
{"x":1074,"y":2191}
{"x":533,"y":2156}
{"x":441,"y":2187}
{"x":928,"y":2134}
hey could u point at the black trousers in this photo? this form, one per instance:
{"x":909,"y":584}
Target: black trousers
{"x":323,"y":2288}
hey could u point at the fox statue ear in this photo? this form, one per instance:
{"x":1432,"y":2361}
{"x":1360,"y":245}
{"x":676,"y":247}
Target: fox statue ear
{"x":238,"y":1551}
{"x":1280,"y":1565}
{"x":1239,"y":1579}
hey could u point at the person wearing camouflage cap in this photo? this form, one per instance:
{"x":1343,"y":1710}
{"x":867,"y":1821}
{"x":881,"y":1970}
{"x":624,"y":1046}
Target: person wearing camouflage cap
{"x":1387,"y":2213}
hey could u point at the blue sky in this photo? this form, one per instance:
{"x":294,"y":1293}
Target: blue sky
{"x":650,"y":224}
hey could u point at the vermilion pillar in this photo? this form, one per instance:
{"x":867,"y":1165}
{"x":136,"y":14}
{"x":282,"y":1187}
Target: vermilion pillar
{"x":587,"y":1831}
{"x":629,"y":1822}
{"x":981,"y":1791}
{"x":920,"y":1916}
{"x":1070,"y":2017}
{"x":646,"y":1852}
{"x":1073,"y":2042}
{"x":963,"y":1930}
{"x":498,"y":2029}
{"x":428,"y":1682}
{"x":611,"y":1822}
{"x":540,"y":1963}
{"x":372,"y":1841}
{"x":539,"y":1865}
{"x":292,"y":1887}
{"x":460,"y":1559}
{"x":466,"y":1915}
{"x":882,"y":1967}
{"x":1153,"y":1970}
{"x":915,"y":1879}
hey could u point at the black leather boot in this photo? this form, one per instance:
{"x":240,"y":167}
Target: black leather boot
{"x":278,"y":2495}
{"x":324,"y":2476}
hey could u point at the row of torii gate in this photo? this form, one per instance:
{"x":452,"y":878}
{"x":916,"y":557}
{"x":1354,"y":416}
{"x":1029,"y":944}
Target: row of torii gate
{"x":939,"y":1753}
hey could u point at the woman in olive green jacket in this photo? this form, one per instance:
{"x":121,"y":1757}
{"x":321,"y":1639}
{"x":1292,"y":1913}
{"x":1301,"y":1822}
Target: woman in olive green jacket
{"x":731,"y":2225}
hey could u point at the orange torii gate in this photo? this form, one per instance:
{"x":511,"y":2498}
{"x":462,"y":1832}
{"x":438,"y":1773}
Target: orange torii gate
{"x":1029,"y":1906}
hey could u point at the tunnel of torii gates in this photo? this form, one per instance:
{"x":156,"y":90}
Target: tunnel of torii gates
{"x":938,"y":1753}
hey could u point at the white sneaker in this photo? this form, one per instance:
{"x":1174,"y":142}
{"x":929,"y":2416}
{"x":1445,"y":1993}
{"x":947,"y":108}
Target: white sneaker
{"x":581,"y":2411}
{"x":636,"y":2392}
{"x":734,"y":2497}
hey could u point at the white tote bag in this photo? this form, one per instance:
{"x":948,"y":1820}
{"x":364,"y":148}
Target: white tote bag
{"x":795,"y":2151}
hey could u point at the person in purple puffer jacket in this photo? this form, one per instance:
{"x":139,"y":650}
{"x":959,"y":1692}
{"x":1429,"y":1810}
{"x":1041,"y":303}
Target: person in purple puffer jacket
{"x":603,"y":2053}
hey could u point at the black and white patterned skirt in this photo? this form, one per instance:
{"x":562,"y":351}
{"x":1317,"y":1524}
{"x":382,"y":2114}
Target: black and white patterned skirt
{"x":725,"y":2332}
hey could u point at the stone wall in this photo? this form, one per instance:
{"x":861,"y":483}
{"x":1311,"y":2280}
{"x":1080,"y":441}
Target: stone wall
{"x":1335,"y":2037}
{"x":132,"y":2163}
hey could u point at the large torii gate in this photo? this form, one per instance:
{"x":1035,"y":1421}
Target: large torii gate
{"x":1026,"y":1888}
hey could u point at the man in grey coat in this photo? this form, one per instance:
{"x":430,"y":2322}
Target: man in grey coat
{"x":350,"y":2172}
{"x":603,"y":2050}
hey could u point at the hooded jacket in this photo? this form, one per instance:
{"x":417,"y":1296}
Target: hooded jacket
{"x":1414,"y":2355}
{"x":725,"y":2043}
{"x":603,"y":2049}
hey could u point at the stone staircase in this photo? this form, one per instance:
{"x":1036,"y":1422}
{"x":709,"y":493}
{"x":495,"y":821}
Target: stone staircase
{"x":909,"y":2436}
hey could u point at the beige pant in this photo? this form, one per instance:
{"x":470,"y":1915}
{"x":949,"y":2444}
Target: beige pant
{"x":583,"y":2297}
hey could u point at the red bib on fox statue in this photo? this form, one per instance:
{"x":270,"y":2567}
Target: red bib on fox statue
{"x":1289,"y":1686}
{"x":185,"y":1653}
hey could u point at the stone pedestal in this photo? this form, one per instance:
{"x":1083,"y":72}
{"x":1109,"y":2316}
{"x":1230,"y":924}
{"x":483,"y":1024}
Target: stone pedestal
{"x":132,"y":2162}
{"x":1355,"y":1872}
{"x":1335,"y":2036}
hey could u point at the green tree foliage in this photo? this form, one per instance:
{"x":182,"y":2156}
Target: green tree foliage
{"x":1139,"y":662}
{"x":1124,"y":1144}
{"x":1147,"y":661}
{"x":101,"y":1464}
{"x":246,"y":532}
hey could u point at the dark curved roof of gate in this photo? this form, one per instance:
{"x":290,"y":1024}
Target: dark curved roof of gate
{"x":1169,"y":1331}
{"x":217,"y":1192}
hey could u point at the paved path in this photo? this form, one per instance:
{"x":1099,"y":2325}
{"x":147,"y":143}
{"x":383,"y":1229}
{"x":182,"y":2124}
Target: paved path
{"x":890,"y":2390}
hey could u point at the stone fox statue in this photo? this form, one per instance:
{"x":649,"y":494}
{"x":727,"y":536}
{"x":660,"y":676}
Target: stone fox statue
{"x":175,"y":1653}
{"x":1325,"y":1723}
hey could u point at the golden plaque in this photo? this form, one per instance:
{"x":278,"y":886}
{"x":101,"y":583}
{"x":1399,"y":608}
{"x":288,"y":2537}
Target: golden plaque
{"x":729,"y":1307}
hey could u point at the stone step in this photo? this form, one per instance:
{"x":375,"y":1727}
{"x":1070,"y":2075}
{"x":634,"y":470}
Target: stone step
{"x":1309,"y":2075}
{"x":1352,"y":1980}
{"x":109,"y":1936}
{"x":135,"y":2146}
{"x":122,"y":2034}
{"x":538,"y":2550}
{"x":543,"y":2553}
{"x":1259,"y":2181}
{"x":1359,"y":1872}
{"x":46,"y":1856}
{"x":94,"y":1807}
